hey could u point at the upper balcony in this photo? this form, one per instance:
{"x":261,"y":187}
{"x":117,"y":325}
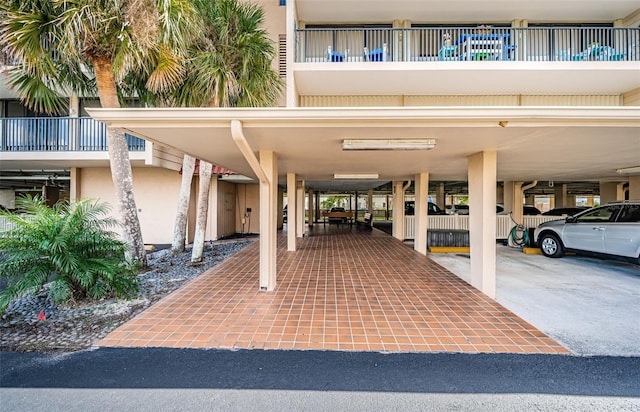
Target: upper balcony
{"x":26,"y":142}
{"x":466,"y":60}
{"x":57,"y":134}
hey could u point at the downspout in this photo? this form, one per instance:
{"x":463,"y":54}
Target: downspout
{"x":529,"y":186}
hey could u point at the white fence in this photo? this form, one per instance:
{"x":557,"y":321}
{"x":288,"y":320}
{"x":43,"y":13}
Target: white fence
{"x":504,"y":223}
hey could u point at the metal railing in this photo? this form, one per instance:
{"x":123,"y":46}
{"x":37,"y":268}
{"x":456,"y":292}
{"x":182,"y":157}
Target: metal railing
{"x":576,"y":44}
{"x":55,"y":134}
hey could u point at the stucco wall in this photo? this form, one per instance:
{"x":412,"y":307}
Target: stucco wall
{"x":156,"y":193}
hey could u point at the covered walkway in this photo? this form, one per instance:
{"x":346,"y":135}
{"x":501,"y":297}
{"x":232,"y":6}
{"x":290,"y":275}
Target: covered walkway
{"x":342,"y":289}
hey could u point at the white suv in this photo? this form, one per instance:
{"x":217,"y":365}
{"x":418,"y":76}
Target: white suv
{"x":611,"y":230}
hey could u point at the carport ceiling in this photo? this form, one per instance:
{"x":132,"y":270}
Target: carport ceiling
{"x":559,"y":144}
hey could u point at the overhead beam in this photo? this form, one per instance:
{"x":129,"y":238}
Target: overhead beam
{"x":241,"y":141}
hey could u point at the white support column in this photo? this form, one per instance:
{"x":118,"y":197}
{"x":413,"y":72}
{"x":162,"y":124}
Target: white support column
{"x":422,"y":195}
{"x":75,"y":184}
{"x":560,"y":195}
{"x":513,"y":200}
{"x":610,"y":191}
{"x":212,"y":219}
{"x":268,"y":220}
{"x":300,"y":209}
{"x":634,"y":187}
{"x":291,"y":212}
{"x":482,"y":169}
{"x":508,"y":195}
{"x":441,"y":197}
{"x":311,"y":208}
{"x":397,"y":213}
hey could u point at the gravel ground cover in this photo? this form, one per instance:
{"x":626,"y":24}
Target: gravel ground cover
{"x":71,"y":327}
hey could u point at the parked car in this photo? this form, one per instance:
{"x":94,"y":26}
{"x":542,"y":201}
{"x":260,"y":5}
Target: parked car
{"x":569,"y":211}
{"x":612,"y":230}
{"x":527,"y":210}
{"x":457,"y":209}
{"x":432,"y":208}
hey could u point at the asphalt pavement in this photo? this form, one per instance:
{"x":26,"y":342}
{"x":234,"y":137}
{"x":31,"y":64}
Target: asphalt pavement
{"x":189,"y":379}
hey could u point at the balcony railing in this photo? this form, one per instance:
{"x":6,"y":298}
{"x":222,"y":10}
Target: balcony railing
{"x":57,"y":134}
{"x":468,"y":43}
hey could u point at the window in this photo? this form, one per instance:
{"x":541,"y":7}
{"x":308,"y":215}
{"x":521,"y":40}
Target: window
{"x":630,"y":214}
{"x":601,"y":214}
{"x":283,"y":2}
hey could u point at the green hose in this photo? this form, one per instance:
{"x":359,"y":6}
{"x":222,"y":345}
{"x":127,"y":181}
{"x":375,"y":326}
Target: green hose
{"x":518,"y":236}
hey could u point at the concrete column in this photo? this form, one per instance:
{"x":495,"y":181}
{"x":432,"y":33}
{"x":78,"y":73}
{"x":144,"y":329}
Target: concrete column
{"x":513,"y":200}
{"x":590,"y":201}
{"x":300,"y":209}
{"x":441,"y":197}
{"x":291,"y":212}
{"x":268,"y":220}
{"x":482,"y":220}
{"x":611,"y":191}
{"x":634,"y":187}
{"x":397,"y":213}
{"x":75,"y":184}
{"x":311,"y":208}
{"x":212,"y":219}
{"x":560,"y":195}
{"x":530,"y":200}
{"x":508,"y":194}
{"x":422,"y":195}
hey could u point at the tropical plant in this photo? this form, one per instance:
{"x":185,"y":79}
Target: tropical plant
{"x":230,"y":66}
{"x":103,"y":47}
{"x":70,"y":245}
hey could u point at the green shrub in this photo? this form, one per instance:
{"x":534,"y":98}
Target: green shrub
{"x":69,"y":244}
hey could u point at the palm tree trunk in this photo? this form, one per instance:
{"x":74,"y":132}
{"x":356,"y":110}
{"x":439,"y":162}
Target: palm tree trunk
{"x":203,"y":209}
{"x":120,"y":164}
{"x":180,"y":226}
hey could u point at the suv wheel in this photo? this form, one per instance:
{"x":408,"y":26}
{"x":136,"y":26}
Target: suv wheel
{"x":551,"y":246}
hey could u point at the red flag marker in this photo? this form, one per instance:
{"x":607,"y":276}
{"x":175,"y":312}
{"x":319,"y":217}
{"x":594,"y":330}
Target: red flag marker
{"x":42,"y":316}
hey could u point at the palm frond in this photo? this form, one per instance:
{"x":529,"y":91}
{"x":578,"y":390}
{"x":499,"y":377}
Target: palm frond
{"x":68,"y":243}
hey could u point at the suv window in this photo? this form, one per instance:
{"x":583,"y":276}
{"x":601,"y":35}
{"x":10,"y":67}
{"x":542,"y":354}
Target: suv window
{"x":601,"y":214}
{"x":630,"y":214}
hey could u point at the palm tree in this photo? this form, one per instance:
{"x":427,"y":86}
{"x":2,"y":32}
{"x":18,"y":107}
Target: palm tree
{"x":87,"y":47}
{"x":180,"y":225}
{"x":230,"y":65}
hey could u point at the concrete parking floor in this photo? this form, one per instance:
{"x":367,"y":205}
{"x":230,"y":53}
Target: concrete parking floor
{"x":591,"y":306}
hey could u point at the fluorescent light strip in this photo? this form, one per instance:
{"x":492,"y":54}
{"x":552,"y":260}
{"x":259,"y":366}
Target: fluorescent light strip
{"x":388,"y":144}
{"x":369,"y":176}
{"x":628,"y":170}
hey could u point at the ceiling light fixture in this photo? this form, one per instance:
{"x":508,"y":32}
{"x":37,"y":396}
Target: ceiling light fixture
{"x":628,"y":170}
{"x":365,"y":176}
{"x":389,"y":144}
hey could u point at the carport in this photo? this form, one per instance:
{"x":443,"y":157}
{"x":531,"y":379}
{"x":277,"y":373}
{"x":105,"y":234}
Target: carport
{"x":299,"y":148}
